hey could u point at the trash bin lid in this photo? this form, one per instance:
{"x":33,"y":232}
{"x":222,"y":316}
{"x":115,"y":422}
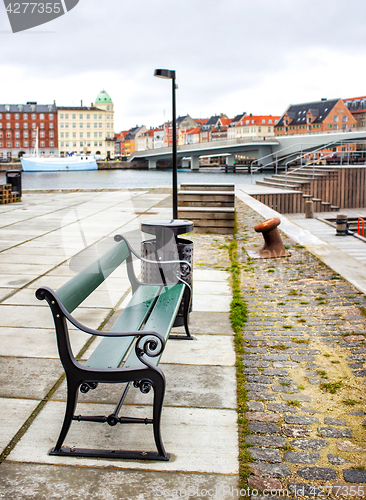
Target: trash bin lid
{"x":176,"y":225}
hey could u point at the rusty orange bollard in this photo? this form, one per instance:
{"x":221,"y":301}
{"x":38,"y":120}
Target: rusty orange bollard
{"x":273,"y":245}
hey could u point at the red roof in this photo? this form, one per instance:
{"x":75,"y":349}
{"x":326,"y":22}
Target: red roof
{"x":193,"y":130}
{"x":258,"y":120}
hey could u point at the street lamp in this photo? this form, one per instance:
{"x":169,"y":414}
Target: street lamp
{"x":170,"y":74}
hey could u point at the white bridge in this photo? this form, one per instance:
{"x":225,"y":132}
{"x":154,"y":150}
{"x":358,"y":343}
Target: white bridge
{"x":267,"y":150}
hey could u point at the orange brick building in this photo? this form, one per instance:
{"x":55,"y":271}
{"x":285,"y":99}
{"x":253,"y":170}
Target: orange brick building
{"x":315,"y":118}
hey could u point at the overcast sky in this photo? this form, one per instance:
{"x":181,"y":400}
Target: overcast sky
{"x":230,"y":56}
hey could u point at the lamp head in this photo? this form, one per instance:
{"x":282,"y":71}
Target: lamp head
{"x":165,"y":73}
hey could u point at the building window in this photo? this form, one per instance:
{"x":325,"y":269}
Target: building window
{"x":25,"y":144}
{"x":74,"y":117}
{"x":17,"y":144}
{"x":74,"y":134}
{"x":100,"y":143}
{"x":95,"y":134}
{"x":81,"y":117}
{"x":88,"y":144}
{"x":51,"y":116}
{"x":8,"y":144}
{"x":1,"y":115}
{"x":66,"y":117}
{"x":41,"y":116}
{"x":335,"y":118}
{"x":42,"y":144}
{"x":34,"y":125}
{"x":100,"y":117}
{"x":8,"y":125}
{"x":66,"y":125}
{"x":88,"y":125}
{"x":16,"y":116}
{"x":335,"y":127}
{"x":88,"y":117}
{"x":51,"y":125}
{"x":8,"y":134}
{"x":81,"y":125}
{"x":95,"y":125}
{"x":8,"y":116}
{"x":81,"y":135}
{"x":61,"y":125}
{"x":100,"y":134}
{"x":95,"y":144}
{"x":74,"y":144}
{"x":66,"y":134}
{"x":51,"y":144}
{"x":81,"y":144}
{"x":17,"y":134}
{"x":25,"y":134}
{"x":51,"y":134}
{"x":344,"y":118}
{"x":42,"y":125}
{"x":74,"y":125}
{"x":1,"y":145}
{"x":34,"y":116}
{"x":88,"y":134}
{"x":62,"y":116}
{"x":62,"y":135}
{"x":17,"y":125}
{"x":34,"y":134}
{"x":107,"y":108}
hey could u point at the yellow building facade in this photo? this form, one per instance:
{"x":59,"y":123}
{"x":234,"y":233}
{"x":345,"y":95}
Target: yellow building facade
{"x":83,"y":129}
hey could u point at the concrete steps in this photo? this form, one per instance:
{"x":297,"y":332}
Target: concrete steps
{"x":211,"y":207}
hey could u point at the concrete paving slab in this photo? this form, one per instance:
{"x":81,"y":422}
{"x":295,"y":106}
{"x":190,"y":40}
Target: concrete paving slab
{"x":13,"y":413}
{"x":23,"y":316}
{"x":210,"y":275}
{"x":31,"y":269}
{"x":16,"y":280}
{"x":190,"y":386}
{"x":206,"y":288}
{"x":29,"y":378}
{"x":19,"y":255}
{"x":36,"y":342}
{"x":213,"y":323}
{"x":5,"y":292}
{"x":42,"y":482}
{"x":199,"y":440}
{"x":99,"y":298}
{"x":214,"y":303}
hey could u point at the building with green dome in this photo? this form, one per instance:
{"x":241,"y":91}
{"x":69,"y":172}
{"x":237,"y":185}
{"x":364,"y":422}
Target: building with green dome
{"x":87,"y":129}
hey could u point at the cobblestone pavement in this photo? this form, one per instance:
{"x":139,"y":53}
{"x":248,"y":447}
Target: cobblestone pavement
{"x":305,"y":367}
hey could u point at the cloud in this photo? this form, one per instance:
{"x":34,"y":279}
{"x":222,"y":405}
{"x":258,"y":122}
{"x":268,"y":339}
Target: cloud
{"x":230,"y":56}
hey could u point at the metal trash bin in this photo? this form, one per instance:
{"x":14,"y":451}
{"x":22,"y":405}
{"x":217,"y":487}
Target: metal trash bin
{"x":168,"y":246}
{"x":14,"y":177}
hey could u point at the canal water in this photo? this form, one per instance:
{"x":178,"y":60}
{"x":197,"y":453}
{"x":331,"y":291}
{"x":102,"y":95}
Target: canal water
{"x":111,"y":179}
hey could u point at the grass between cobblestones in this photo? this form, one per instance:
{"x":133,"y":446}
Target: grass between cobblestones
{"x":238,"y":317}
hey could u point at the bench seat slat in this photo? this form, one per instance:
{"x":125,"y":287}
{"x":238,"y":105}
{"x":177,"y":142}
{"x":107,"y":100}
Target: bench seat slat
{"x":111,"y":351}
{"x":161,"y":320}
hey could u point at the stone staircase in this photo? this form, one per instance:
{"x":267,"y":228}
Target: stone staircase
{"x":318,"y":185}
{"x":211,"y":207}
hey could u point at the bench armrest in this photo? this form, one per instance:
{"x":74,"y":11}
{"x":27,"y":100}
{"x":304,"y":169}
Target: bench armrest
{"x":152,"y":345}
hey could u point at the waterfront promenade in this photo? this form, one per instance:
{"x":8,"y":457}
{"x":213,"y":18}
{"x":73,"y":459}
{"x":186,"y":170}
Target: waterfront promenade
{"x":305,"y":329}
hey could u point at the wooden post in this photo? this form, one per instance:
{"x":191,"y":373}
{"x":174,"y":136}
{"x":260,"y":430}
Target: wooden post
{"x":309,"y":210}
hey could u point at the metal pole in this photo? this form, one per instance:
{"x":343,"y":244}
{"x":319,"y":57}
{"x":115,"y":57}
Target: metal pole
{"x":175,"y":179}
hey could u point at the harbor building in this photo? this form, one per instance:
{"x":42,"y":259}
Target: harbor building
{"x":87,"y":129}
{"x":19,"y":124}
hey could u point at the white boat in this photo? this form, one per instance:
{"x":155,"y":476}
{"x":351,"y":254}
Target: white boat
{"x":70,"y":163}
{"x":36,"y":163}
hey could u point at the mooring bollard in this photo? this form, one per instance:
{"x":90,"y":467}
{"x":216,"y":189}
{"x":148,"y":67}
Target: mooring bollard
{"x":309,"y":210}
{"x":342,"y":225}
{"x":273,"y":245}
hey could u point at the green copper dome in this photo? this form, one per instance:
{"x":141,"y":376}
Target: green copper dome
{"x":103,"y":98}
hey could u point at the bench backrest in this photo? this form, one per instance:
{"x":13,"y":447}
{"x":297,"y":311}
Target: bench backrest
{"x":76,"y":290}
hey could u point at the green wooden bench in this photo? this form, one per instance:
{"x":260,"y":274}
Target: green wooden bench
{"x":129,"y":353}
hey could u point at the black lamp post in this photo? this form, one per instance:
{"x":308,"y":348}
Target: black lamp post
{"x":170,"y":74}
